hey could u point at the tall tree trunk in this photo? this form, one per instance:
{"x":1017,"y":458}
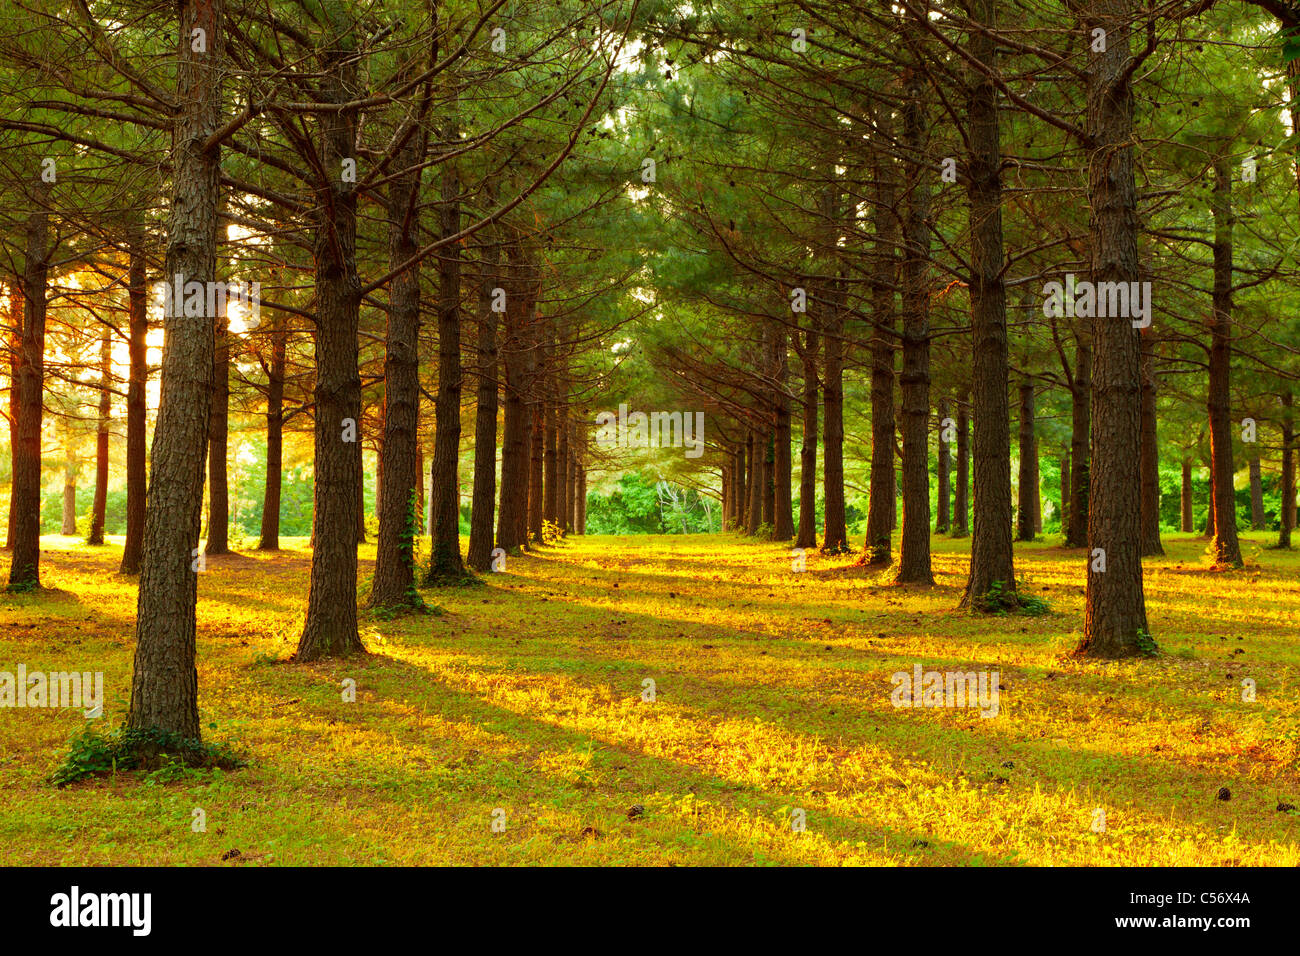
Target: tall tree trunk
{"x":961,"y":503}
{"x":1150,"y":468}
{"x":807,"y":534}
{"x":835,"y":537}
{"x":164,"y":683}
{"x":1081,"y":420}
{"x":754,"y":509}
{"x":100,"y":503}
{"x":992,"y":563}
{"x":582,"y":498}
{"x":564,"y":503}
{"x":516,"y":440}
{"x":1115,"y":621}
{"x":783,"y":504}
{"x":1227,"y":549}
{"x":1286,"y":506}
{"x":943,"y":465}
{"x":393,"y":583}
{"x":479,"y":555}
{"x":880,"y":505}
{"x":1028,"y":481}
{"x":270,"y":536}
{"x":331,"y":626}
{"x":1188,"y":522}
{"x":25,"y":503}
{"x":769,"y":477}
{"x":218,"y":439}
{"x":551,"y":463}
{"x":136,"y":404}
{"x":914,"y":548}
{"x":445,"y":562}
{"x":15,"y":364}
{"x":537,"y":472}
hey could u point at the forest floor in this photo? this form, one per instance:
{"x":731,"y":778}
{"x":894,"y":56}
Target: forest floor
{"x":521,"y":703}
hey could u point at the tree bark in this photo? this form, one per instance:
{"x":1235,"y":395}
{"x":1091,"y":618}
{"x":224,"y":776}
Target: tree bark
{"x":445,"y":562}
{"x":783,"y":504}
{"x":218,"y":439}
{"x":393,"y":583}
{"x":1227,"y":548}
{"x":961,"y":503}
{"x":807,"y":533}
{"x":136,"y":405}
{"x":1188,"y":523}
{"x":880,"y":505}
{"x":16,"y":308}
{"x":164,"y":683}
{"x":1286,"y":506}
{"x":914,"y":548}
{"x":70,"y":468}
{"x":479,"y":556}
{"x":1115,"y":620}
{"x":331,"y":626}
{"x":835,"y":536}
{"x":270,"y":536}
{"x":25,"y":503}
{"x":1081,"y":419}
{"x":943,"y":465}
{"x":1028,"y":479}
{"x":1150,"y":468}
{"x":100,"y":503}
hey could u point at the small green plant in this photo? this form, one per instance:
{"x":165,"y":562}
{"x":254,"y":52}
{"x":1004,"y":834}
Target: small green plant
{"x":165,"y":754}
{"x":1146,"y":643}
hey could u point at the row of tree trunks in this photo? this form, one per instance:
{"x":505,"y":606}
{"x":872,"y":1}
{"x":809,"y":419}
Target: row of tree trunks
{"x":15,"y":323}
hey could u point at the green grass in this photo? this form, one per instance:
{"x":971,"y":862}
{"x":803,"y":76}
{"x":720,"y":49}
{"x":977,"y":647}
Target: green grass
{"x":773,"y":693}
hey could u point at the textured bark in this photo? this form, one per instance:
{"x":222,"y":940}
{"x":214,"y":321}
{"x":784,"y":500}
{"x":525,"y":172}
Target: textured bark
{"x":15,"y":363}
{"x":1286,"y":520}
{"x":582,"y":500}
{"x":164,"y":684}
{"x":1028,"y":479}
{"x":1188,"y":524}
{"x":270,"y":536}
{"x":564,"y":499}
{"x":835,"y":537}
{"x":100,"y":502}
{"x":393,"y":583}
{"x":943,"y":467}
{"x":1115,"y":621}
{"x":807,"y":533}
{"x":516,"y":442}
{"x":479,"y":555}
{"x":782,"y":474}
{"x":331,"y":626}
{"x":1150,"y":468}
{"x":992,"y":563}
{"x":758,"y":479}
{"x":961,"y":500}
{"x":1227,"y":548}
{"x":551,"y":475}
{"x":136,"y":408}
{"x":1081,"y":419}
{"x":218,"y":440}
{"x":768,"y":497}
{"x":445,"y":562}
{"x":880,"y":504}
{"x":536,"y":472}
{"x":914,"y":547}
{"x":25,"y":503}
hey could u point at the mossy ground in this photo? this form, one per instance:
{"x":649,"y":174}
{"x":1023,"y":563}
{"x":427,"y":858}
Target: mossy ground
{"x":772,"y":692}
